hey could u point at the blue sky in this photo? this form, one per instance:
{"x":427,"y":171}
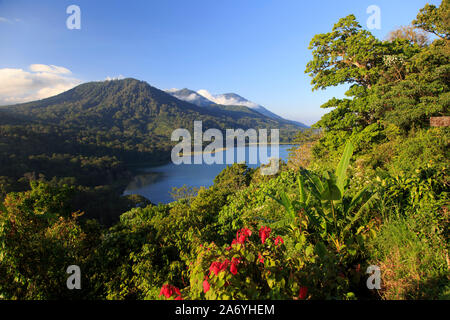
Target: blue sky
{"x":256,"y":48}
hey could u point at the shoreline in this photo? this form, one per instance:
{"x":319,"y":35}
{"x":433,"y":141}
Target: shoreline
{"x":246,"y":145}
{"x":136,"y":168}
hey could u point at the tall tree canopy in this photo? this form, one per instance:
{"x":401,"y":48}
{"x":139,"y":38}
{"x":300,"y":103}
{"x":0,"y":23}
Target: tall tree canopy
{"x":400,"y":81}
{"x":348,"y":54}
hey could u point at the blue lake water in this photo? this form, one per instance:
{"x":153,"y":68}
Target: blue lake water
{"x":155,"y":183}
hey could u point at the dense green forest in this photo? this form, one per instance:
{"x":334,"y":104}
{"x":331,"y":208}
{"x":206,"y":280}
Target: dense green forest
{"x":368,"y":186}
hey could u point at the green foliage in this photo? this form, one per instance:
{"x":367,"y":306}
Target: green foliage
{"x":184,"y":193}
{"x":392,"y":82}
{"x":386,"y":116}
{"x":252,"y":205}
{"x":435,"y":20}
{"x":421,"y":149}
{"x":330,"y":213}
{"x":348,"y":54}
{"x":37,"y":244}
{"x":376,"y":192}
{"x":413,"y":262}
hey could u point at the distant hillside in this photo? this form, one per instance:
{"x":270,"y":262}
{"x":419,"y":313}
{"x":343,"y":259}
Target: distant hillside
{"x":134,"y":108}
{"x":103,"y":125}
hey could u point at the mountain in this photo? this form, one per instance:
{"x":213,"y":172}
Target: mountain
{"x":203,"y":98}
{"x":190,"y":96}
{"x":130,"y":105}
{"x":234,"y":99}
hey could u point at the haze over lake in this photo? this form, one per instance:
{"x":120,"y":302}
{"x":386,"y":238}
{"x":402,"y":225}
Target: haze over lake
{"x":156,"y":182}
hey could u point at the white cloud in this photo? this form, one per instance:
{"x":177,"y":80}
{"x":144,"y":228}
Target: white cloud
{"x":192,"y":97}
{"x":49,"y":69}
{"x":206,"y":94}
{"x":119,"y":77}
{"x":42,"y":81}
{"x":227,"y":100}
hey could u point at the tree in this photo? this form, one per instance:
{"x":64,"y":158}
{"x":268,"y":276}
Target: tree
{"x":435,"y":20}
{"x":411,"y":34}
{"x":402,"y":81}
{"x":348,"y":54}
{"x":38,"y":241}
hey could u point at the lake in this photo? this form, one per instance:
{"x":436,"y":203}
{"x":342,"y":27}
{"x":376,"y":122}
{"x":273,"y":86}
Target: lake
{"x":155,"y":183}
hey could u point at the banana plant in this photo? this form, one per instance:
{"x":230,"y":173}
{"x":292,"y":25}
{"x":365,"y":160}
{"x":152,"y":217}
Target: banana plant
{"x":324,"y":202}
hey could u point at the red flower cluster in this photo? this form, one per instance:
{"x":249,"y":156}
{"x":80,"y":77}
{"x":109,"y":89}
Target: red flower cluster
{"x":168,"y":290}
{"x":241,"y":237}
{"x":206,"y":285}
{"x":303,"y":292}
{"x":264,"y":233}
{"x":261,"y":258}
{"x":217,"y":267}
{"x":278,"y":240}
{"x":234,"y":263}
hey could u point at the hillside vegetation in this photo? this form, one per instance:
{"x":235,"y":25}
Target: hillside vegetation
{"x":370,"y":188}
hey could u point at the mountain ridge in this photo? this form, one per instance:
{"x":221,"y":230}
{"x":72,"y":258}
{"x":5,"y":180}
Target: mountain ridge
{"x":190,"y":96}
{"x":204,"y":98}
{"x":112,"y":96}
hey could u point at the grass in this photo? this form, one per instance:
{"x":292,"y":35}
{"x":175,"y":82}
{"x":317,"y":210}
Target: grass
{"x":413,"y":261}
